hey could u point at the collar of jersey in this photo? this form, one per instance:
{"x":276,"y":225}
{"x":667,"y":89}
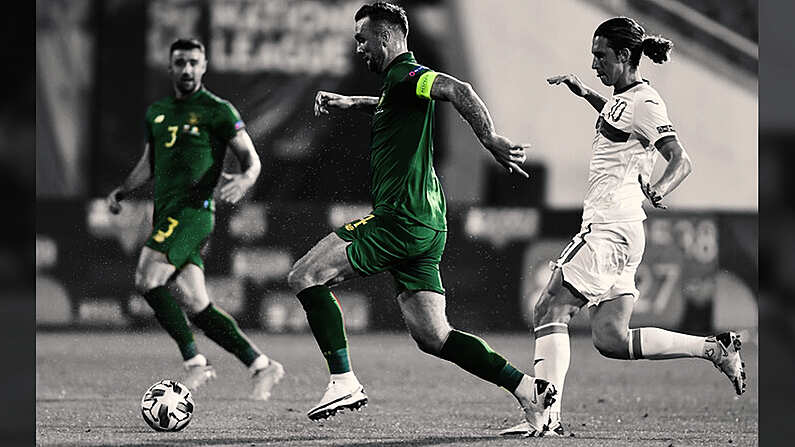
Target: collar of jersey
{"x":191,"y":97}
{"x":408,"y":56}
{"x":629,"y":86}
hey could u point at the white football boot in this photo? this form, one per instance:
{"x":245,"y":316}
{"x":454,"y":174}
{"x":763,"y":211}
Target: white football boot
{"x":554,"y":429}
{"x":340,"y":395}
{"x":198,"y":371}
{"x":265,"y":378}
{"x":537,"y":395}
{"x":724,"y":351}
{"x":520,"y":429}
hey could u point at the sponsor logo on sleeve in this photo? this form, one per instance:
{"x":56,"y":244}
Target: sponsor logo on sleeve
{"x":239,"y":124}
{"x":417,"y":71}
{"x":665,"y":129}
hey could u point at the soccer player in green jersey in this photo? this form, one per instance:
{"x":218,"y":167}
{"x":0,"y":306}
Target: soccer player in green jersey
{"x":186,"y":139}
{"x":405,"y":233}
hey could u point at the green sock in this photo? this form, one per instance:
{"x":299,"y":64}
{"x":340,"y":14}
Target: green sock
{"x":324,"y":315}
{"x":172,"y":319}
{"x":475,"y":356}
{"x":221,"y":328}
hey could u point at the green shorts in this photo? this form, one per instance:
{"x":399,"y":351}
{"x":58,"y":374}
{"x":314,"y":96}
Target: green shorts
{"x":409,"y":251}
{"x":181,"y":233}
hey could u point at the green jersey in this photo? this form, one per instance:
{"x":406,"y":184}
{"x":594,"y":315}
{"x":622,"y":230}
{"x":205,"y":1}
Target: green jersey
{"x":401,"y":158}
{"x":188,"y":139}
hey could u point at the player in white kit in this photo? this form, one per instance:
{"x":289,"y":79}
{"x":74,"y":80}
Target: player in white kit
{"x":597,"y":268}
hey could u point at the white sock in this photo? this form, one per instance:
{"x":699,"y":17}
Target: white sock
{"x":196,"y":360}
{"x":347,"y":377}
{"x":551,"y":359}
{"x":657,"y":344}
{"x":259,"y":363}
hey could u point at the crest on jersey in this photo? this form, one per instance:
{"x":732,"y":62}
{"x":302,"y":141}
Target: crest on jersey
{"x":159,"y":118}
{"x":193,"y":119}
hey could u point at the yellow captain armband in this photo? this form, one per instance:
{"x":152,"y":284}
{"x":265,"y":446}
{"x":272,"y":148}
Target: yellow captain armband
{"x":424,"y":84}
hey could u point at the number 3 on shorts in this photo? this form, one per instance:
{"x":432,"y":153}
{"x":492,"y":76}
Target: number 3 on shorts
{"x":162,"y":235}
{"x":352,"y":226}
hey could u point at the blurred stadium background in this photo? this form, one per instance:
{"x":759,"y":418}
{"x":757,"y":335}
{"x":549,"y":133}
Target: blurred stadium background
{"x":100,"y":63}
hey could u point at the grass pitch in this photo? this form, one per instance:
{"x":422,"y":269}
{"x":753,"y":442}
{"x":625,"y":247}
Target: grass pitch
{"x":89,"y":387}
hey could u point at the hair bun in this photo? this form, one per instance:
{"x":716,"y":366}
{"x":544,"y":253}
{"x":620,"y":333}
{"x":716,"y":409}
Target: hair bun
{"x":657,"y":48}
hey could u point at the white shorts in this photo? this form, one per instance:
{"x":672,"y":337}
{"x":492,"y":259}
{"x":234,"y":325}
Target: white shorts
{"x":601,"y":260}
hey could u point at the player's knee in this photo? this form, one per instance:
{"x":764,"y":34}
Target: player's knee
{"x":429,"y":338}
{"x":299,"y":278}
{"x":195,"y":303}
{"x":541,"y":311}
{"x":303,"y":275}
{"x":428,"y":342}
{"x":424,"y":345}
{"x":547,"y":311}
{"x":145,"y":283}
{"x":611,"y":341}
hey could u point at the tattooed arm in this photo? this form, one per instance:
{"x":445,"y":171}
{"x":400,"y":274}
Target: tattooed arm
{"x":474,"y":111}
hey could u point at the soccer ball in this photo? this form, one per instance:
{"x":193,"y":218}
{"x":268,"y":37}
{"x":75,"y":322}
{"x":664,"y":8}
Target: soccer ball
{"x":167,"y":406}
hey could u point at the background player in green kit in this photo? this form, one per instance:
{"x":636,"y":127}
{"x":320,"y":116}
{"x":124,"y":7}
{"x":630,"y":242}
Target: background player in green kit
{"x":405,"y":233}
{"x":187,"y":136}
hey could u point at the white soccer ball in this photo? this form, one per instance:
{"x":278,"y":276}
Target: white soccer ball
{"x":167,"y":406}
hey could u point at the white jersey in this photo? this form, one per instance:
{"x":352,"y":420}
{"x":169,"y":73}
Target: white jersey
{"x":629,"y":125}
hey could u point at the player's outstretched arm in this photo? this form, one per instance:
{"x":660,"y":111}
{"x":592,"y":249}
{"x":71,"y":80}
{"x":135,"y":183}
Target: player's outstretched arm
{"x":140,"y":174}
{"x":576,"y":86}
{"x":238,"y":184}
{"x":678,"y":168}
{"x":469,"y":105}
{"x":326,"y":100}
